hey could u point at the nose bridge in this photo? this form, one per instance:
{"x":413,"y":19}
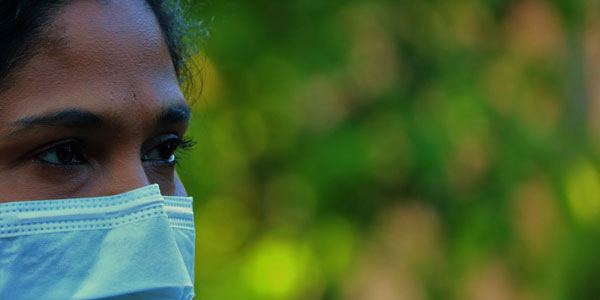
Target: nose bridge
{"x":125,"y":174}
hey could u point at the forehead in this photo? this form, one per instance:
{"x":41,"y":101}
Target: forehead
{"x":97,"y":55}
{"x":109,"y":34}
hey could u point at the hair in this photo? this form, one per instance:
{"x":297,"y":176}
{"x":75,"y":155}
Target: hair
{"x":22,"y":24}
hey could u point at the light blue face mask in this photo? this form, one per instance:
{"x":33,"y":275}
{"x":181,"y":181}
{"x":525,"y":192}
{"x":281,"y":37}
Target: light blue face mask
{"x":136,"y":245}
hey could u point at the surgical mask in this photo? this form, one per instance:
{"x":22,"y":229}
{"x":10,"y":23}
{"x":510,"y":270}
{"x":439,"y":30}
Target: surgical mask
{"x":136,"y":245}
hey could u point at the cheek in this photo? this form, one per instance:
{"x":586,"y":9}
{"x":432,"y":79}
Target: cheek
{"x":164,"y":176}
{"x":179,"y":188}
{"x":37,"y":182}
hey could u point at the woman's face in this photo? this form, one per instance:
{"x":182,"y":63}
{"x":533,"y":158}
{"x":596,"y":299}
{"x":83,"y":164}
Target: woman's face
{"x":96,"y":111}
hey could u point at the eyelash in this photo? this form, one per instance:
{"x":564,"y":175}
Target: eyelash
{"x":184,"y":144}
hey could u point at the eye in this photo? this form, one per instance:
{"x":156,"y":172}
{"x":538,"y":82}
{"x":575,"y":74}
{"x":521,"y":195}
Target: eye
{"x":64,"y":153}
{"x":164,"y":152}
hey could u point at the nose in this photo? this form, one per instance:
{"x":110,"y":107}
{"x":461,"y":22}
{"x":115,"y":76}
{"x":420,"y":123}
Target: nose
{"x":124,"y":175}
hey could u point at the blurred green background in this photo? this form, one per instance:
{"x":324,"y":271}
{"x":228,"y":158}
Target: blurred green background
{"x":353,"y":149}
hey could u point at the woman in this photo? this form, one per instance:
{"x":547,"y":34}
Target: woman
{"x":92,"y":116}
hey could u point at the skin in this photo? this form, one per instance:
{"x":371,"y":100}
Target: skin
{"x":100,"y":81}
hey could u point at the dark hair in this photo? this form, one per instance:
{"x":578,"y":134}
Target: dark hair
{"x":22,"y":24}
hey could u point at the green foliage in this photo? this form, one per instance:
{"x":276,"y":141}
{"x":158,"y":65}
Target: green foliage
{"x":397,"y":150}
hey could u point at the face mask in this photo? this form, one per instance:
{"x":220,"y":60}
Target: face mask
{"x":136,"y":245}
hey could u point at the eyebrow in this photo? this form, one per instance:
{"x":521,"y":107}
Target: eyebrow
{"x":71,"y":117}
{"x":174,"y":114}
{"x":84,"y":119}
